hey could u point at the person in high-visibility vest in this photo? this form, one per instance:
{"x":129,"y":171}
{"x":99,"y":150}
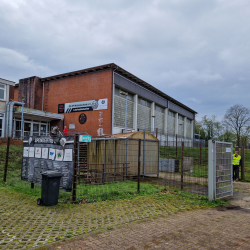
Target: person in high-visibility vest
{"x":236,"y":165}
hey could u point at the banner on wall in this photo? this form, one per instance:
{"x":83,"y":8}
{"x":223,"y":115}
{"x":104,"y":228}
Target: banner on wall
{"x":91,"y":105}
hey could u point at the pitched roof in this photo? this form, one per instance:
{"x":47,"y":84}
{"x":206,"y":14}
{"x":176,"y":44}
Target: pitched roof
{"x":121,"y":72}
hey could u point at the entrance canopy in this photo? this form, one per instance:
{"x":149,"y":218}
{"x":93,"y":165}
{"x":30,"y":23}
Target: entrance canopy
{"x":35,"y":122}
{"x":34,"y":114}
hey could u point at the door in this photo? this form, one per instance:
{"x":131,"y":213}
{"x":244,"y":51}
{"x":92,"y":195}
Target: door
{"x":27,"y":128}
{"x":35,"y":129}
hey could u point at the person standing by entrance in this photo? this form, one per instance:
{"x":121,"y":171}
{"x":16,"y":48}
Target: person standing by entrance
{"x":65,"y":131}
{"x":55,"y":130}
{"x":236,"y":165}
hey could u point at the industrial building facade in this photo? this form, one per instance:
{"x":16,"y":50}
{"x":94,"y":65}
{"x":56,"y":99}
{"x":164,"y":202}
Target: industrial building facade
{"x":93,"y":101}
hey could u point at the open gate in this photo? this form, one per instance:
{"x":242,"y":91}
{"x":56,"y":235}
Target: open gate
{"x":220,"y":179}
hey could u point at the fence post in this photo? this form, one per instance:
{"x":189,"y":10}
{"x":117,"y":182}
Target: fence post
{"x":75,"y":168}
{"x":103,"y":172}
{"x":200,"y":153}
{"x":176,"y":144}
{"x":182,"y":164}
{"x":6,"y":159}
{"x":242,"y":163}
{"x":139,"y":166}
{"x":237,"y":149}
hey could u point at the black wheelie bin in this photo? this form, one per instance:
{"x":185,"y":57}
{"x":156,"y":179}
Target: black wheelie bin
{"x":50,"y":188}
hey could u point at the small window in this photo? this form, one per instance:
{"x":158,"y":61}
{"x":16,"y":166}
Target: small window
{"x":171,"y":113}
{"x":2,"y":92}
{"x":158,"y":108}
{"x":189,"y":121}
{"x":130,"y":97}
{"x":181,"y":118}
{"x":148,"y":104}
{"x":143,"y":102}
{"x":117,"y":91}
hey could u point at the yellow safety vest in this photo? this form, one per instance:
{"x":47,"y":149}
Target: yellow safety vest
{"x":236,"y":160}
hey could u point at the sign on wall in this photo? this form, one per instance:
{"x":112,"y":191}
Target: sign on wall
{"x":42,"y":153}
{"x":82,"y":118}
{"x":84,"y":138}
{"x":91,"y":105}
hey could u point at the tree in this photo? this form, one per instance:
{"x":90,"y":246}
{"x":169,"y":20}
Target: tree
{"x":238,"y":119}
{"x":212,"y":128}
{"x":199,"y":129}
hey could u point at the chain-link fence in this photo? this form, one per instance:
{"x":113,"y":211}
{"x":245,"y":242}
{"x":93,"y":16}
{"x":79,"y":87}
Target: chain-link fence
{"x":109,"y":167}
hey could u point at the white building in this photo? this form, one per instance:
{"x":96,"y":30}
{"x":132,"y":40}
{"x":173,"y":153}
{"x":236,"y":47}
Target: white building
{"x":4,"y":99}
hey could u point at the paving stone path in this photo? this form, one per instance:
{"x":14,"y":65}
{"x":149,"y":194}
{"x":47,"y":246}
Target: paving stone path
{"x":24,"y":224}
{"x":196,"y":229}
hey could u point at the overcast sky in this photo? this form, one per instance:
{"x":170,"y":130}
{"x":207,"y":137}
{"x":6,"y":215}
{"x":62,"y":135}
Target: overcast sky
{"x":196,"y":51}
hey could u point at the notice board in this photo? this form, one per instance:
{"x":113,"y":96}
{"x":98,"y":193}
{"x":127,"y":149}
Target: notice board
{"x":42,"y":153}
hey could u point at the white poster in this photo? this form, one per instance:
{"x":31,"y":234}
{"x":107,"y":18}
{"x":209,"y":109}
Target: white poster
{"x":59,"y":155}
{"x":67,"y":155}
{"x":52,"y":153}
{"x":26,"y":152}
{"x":228,"y":150}
{"x":31,"y":152}
{"x":99,"y":104}
{"x":38,"y":153}
{"x":45,"y":153}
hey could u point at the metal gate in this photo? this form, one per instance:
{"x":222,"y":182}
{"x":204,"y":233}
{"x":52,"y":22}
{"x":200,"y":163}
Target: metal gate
{"x":220,"y":181}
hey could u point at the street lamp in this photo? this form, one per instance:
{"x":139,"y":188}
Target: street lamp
{"x":126,"y":94}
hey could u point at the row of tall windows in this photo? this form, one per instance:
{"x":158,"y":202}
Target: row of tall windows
{"x":30,"y":127}
{"x":144,"y":114}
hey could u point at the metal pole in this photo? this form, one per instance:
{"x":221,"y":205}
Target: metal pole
{"x":126,"y":114}
{"x":211,"y":171}
{"x":182,"y":164}
{"x":237,"y":150}
{"x":6,"y":160}
{"x":75,"y":168}
{"x":242,"y":163}
{"x":139,"y":166}
{"x":176,"y":145}
{"x":144,"y":149}
{"x":22,"y":119}
{"x":200,"y":153}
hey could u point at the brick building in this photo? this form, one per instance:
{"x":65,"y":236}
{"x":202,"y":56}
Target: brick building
{"x":92,"y":100}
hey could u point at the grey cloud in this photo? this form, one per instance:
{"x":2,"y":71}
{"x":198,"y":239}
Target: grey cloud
{"x":195,"y":51}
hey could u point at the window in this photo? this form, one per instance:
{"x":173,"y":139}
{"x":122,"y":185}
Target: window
{"x":171,"y":113}
{"x":189,"y":121}
{"x":181,"y":118}
{"x":158,"y":108}
{"x":2,"y":92}
{"x":130,"y":96}
{"x":144,"y":102}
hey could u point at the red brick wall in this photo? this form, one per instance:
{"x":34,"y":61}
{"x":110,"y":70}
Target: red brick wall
{"x":97,"y":85}
{"x":11,"y":93}
{"x":31,"y":88}
{"x":16,"y":89}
